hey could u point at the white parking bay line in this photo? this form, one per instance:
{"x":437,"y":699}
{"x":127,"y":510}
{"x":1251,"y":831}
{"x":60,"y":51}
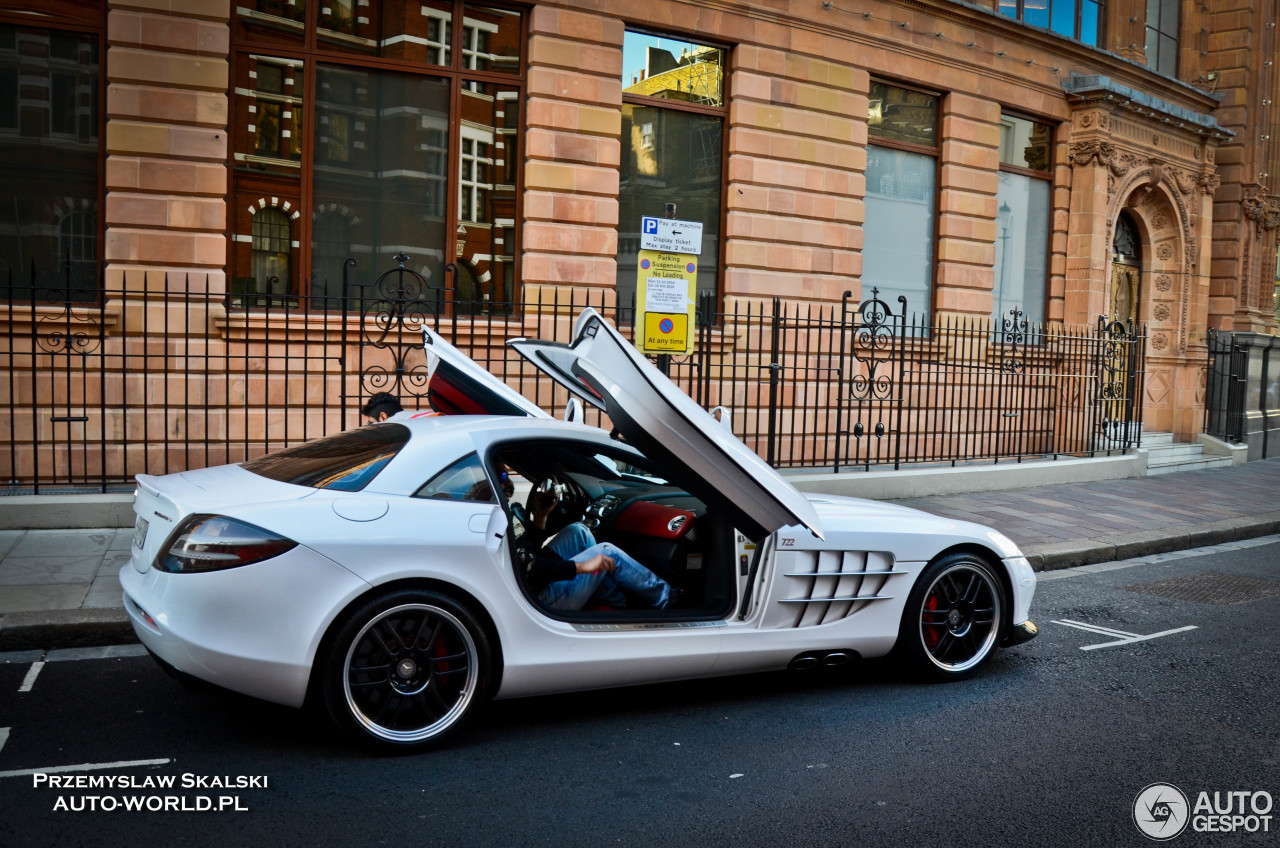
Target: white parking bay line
{"x":32,"y":674}
{"x":86,"y":767}
{"x":1140,"y":638}
{"x":1093,"y":628}
{"x":4,"y":737}
{"x":1121,"y":637}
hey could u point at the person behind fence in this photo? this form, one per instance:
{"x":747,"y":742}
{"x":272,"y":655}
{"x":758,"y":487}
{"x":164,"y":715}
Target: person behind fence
{"x":569,"y":569}
{"x":380,"y":407}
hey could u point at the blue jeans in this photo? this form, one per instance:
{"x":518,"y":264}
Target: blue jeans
{"x":629,"y":579}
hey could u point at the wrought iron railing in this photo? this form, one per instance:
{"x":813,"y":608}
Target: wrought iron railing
{"x":161,"y":374}
{"x":1226,"y":379}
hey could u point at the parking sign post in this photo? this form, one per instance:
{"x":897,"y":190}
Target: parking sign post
{"x":666,"y":279}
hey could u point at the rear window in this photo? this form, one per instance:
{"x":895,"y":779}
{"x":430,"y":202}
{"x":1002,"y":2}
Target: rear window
{"x":345,"y":462}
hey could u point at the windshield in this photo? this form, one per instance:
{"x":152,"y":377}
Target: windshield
{"x":345,"y":462}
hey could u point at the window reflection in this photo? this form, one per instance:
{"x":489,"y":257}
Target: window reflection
{"x":900,"y":114}
{"x":672,"y":157}
{"x":1162,"y":36}
{"x":423,"y":32}
{"x":901,"y":200}
{"x":270,"y":21}
{"x":669,"y":157}
{"x":49,"y":147}
{"x":267,"y":162}
{"x":1024,"y":143}
{"x":899,"y":229}
{"x":374,"y":168}
{"x":488,"y":150}
{"x":382,"y":145}
{"x":1022,"y":218}
{"x":1022,"y":246}
{"x":673,"y":69}
{"x":1072,"y":18}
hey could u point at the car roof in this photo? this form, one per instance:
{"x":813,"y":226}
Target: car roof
{"x":437,"y":441}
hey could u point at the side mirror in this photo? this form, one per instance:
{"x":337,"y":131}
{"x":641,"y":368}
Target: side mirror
{"x":724,"y":416}
{"x":573,"y":411}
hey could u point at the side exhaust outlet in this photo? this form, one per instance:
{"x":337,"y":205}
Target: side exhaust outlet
{"x":824,"y":659}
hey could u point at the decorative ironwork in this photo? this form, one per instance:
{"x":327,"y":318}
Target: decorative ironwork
{"x":875,"y":335}
{"x":395,"y":305}
{"x":870,"y":394}
{"x":1013,"y":333}
{"x":1118,"y":384}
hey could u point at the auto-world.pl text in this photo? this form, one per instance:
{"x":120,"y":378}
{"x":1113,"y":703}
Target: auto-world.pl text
{"x":155,"y":789}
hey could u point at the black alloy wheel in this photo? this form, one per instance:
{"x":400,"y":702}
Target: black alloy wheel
{"x":405,"y":669}
{"x":952,"y":621}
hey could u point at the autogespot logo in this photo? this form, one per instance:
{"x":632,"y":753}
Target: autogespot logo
{"x":1160,"y":811}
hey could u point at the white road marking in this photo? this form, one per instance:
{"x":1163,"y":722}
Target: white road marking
{"x":111,"y":652}
{"x":32,"y":673}
{"x":4,"y":737}
{"x":1123,"y":637}
{"x":1139,"y":638}
{"x":1093,"y":628}
{"x":85,"y":767}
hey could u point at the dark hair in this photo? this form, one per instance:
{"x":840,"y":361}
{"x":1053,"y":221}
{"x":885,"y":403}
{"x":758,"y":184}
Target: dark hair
{"x":380,"y":403}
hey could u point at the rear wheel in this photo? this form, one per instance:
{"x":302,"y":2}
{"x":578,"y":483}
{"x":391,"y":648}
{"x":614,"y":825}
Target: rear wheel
{"x":952,"y":621}
{"x":406,"y":669}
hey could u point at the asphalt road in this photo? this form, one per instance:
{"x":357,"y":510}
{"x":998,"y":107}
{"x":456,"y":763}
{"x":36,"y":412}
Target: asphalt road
{"x":1050,"y":745}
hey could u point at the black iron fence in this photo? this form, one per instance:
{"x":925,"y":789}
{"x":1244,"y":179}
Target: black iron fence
{"x":1242,"y":391}
{"x":1226,"y":379}
{"x":160,"y":374}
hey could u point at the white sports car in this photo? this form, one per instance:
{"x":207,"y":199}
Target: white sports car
{"x":376,"y":571}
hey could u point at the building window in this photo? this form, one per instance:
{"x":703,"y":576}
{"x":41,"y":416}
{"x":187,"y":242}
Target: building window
{"x":51,"y":148}
{"x":1023,"y":218}
{"x":474,"y":181}
{"x":901,"y":202}
{"x":1162,"y":36}
{"x":271,"y":250}
{"x":358,"y":125}
{"x":673,"y":140}
{"x":1078,"y":19}
{"x":78,"y":238}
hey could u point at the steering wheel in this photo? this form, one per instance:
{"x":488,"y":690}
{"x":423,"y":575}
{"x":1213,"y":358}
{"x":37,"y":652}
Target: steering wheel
{"x":572,"y":500}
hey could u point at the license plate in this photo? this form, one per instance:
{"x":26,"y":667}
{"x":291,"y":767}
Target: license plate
{"x":139,"y":532}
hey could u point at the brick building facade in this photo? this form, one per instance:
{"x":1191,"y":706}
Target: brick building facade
{"x":1067,"y":158}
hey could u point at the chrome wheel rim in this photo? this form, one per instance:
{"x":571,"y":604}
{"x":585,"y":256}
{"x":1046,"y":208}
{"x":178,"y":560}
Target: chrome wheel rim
{"x":410,"y":673}
{"x":960,"y":618}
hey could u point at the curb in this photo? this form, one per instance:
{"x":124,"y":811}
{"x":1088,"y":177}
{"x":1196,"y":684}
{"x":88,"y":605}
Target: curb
{"x":55,"y":629}
{"x":1070,"y":554}
{"x":83,"y":628}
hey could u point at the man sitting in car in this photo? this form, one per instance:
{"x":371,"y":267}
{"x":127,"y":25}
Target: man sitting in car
{"x":569,"y":570}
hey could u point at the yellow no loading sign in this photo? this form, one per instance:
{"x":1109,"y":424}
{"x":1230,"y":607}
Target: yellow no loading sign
{"x":665,"y":283}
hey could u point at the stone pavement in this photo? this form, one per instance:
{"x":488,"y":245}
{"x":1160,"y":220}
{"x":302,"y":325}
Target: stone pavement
{"x":59,"y":588}
{"x":1074,"y":524}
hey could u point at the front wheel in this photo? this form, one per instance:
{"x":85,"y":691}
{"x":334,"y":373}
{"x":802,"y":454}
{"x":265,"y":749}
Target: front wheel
{"x":405,"y":669}
{"x":952,"y":620}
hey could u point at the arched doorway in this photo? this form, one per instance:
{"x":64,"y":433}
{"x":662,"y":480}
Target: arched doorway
{"x":1126,"y":271}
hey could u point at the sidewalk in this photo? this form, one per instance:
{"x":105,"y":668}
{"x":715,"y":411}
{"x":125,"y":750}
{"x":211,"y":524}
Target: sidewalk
{"x":59,"y":588}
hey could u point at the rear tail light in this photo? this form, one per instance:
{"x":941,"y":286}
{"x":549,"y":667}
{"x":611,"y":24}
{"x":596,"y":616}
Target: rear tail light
{"x":213,"y":542}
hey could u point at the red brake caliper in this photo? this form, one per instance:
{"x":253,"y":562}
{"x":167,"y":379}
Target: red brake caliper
{"x":931,"y":635}
{"x":440,"y":651}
